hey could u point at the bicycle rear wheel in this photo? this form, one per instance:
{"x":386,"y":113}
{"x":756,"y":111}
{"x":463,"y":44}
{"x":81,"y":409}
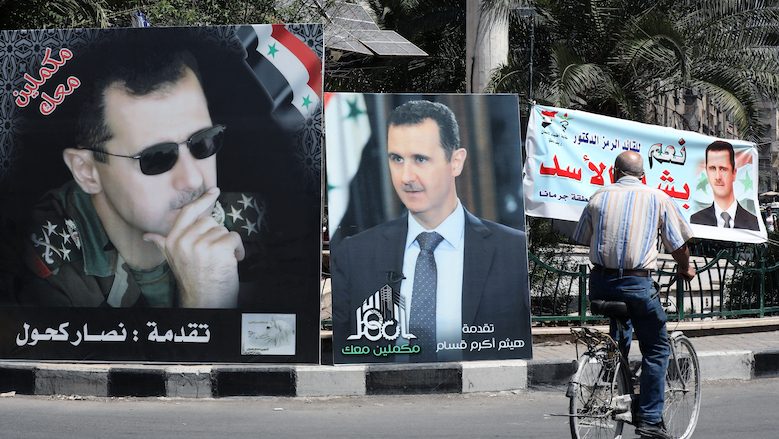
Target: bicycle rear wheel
{"x":594,"y":387}
{"x":682,"y":389}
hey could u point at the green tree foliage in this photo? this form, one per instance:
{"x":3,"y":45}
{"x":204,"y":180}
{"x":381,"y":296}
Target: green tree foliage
{"x":44,"y":14}
{"x":211,"y":12}
{"x":613,"y":57}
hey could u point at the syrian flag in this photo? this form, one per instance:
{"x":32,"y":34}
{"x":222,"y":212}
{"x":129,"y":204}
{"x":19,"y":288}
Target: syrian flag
{"x":348,"y":131}
{"x":547,"y":117}
{"x":289,"y":69}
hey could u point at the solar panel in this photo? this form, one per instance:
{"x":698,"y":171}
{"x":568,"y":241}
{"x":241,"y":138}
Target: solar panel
{"x":339,"y":39}
{"x":352,"y":16}
{"x":388,"y":43}
{"x":352,"y":29}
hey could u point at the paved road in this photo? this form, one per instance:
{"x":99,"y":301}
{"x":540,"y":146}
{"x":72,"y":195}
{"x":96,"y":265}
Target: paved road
{"x":731,"y":409}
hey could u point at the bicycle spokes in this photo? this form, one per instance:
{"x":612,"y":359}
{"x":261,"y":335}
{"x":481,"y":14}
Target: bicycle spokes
{"x":596,"y":407}
{"x":682,"y":392}
{"x":601,"y":399}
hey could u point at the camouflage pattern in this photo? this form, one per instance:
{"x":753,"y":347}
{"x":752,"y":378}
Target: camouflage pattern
{"x":75,"y":264}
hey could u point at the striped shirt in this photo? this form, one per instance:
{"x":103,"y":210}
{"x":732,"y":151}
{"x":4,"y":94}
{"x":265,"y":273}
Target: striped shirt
{"x":622,"y":221}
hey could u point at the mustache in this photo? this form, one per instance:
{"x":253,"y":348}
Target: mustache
{"x":411,"y":187}
{"x":185,"y":197}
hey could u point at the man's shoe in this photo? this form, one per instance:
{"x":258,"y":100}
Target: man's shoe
{"x":645,"y":429}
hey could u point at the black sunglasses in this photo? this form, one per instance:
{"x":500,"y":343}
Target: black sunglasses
{"x":162,"y":157}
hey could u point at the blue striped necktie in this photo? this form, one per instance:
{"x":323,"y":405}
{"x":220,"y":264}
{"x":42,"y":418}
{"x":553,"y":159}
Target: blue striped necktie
{"x":423,"y":300}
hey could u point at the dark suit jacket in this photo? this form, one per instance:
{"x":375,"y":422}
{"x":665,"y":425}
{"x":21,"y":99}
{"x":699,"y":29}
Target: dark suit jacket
{"x":495,"y":281}
{"x":743,"y":220}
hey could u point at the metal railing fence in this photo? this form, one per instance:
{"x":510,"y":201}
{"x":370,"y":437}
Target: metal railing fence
{"x":735,"y":282}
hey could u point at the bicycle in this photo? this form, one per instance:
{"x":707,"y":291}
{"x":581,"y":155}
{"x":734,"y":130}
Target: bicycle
{"x":602,"y":391}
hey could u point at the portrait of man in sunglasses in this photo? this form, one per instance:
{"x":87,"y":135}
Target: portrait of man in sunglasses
{"x":143,"y":221}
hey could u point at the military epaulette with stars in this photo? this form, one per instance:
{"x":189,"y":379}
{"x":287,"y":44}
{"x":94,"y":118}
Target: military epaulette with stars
{"x":244,"y":213}
{"x":56,"y":243}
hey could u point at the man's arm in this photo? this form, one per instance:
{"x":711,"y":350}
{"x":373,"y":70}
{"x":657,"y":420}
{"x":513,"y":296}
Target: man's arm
{"x":682,"y":256}
{"x":583,"y":232}
{"x":203,"y":255}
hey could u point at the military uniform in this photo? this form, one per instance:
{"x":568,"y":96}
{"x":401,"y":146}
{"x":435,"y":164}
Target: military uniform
{"x":75,"y":264}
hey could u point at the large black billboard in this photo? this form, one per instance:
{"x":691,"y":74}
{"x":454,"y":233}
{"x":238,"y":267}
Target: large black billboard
{"x":160,"y":194}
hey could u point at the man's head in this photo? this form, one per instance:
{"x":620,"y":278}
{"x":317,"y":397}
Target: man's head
{"x":721,"y":172}
{"x":140,"y":100}
{"x":629,"y":163}
{"x":423,"y":147}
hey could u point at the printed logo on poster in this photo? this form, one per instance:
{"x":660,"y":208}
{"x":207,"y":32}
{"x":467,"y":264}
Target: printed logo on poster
{"x":268,"y":334}
{"x":382,"y":316}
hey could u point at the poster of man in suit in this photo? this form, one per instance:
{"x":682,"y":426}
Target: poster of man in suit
{"x":440,"y":169}
{"x":725,"y":211}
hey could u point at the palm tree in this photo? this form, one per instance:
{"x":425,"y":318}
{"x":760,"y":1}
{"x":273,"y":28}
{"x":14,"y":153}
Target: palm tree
{"x":615,"y":57}
{"x":572,"y":41}
{"x":728,"y":50}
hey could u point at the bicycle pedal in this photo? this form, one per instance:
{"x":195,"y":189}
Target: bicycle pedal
{"x":623,"y":408}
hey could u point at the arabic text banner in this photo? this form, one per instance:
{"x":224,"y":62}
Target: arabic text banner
{"x":570,"y":155}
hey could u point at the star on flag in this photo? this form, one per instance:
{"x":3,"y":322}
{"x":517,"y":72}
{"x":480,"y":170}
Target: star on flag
{"x":297,"y":63}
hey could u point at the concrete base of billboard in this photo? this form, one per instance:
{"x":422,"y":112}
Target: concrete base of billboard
{"x":737,"y":356}
{"x":71,"y":379}
{"x":189,"y":382}
{"x":493,"y":376}
{"x":320,"y":381}
{"x":342,"y":380}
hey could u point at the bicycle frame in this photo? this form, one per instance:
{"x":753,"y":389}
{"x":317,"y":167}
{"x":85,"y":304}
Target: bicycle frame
{"x":603,"y":393}
{"x":599,"y":345}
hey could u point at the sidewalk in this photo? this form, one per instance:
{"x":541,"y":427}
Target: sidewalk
{"x":741,"y":355}
{"x":727,"y":349}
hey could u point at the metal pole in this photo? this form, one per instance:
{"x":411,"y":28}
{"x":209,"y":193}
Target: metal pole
{"x":526,"y":11}
{"x":582,"y":294}
{"x":532,"y":40}
{"x":762,"y":279}
{"x":680,"y":296}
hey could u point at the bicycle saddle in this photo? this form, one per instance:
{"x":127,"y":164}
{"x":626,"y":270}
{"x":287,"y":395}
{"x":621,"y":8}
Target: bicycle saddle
{"x":610,"y":308}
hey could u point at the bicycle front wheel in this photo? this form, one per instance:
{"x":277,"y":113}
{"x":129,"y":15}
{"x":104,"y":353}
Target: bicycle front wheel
{"x":598,"y":382}
{"x":682,"y":389}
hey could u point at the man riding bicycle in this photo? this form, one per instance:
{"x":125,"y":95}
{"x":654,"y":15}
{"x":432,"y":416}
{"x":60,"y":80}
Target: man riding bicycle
{"x":621,"y":223}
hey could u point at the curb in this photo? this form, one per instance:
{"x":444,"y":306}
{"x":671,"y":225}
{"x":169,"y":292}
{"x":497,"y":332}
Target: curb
{"x":546,"y":373}
{"x":766,"y":364}
{"x":218,"y":381}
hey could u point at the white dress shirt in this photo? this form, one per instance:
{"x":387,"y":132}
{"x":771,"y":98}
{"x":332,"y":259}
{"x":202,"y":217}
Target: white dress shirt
{"x":730,"y":210}
{"x":449,"y":257}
